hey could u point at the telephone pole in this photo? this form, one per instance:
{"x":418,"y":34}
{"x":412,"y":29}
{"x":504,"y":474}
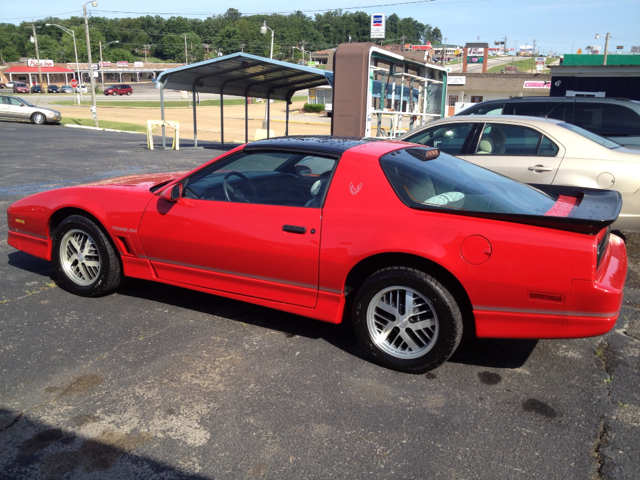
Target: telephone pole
{"x":186,"y":60}
{"x":35,"y":42}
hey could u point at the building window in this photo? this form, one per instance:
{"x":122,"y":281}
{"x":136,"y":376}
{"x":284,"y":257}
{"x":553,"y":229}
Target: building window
{"x":452,"y":100}
{"x":476,"y":98}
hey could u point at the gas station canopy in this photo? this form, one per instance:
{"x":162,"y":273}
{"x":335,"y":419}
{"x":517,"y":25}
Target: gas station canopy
{"x":244,"y":75}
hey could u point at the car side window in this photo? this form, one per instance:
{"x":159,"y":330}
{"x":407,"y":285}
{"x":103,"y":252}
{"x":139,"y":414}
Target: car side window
{"x":531,"y":109}
{"x":492,"y":109}
{"x":263,"y":177}
{"x":15,"y":101}
{"x":502,"y":139}
{"x":447,"y":138}
{"x":606,"y":119}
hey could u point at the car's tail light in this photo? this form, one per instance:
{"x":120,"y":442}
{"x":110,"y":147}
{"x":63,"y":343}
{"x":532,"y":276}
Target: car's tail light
{"x":602,"y":246}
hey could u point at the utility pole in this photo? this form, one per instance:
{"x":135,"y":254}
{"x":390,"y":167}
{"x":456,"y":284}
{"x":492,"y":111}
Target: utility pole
{"x":505,"y":49}
{"x":186,"y":60}
{"x":35,"y":42}
{"x":90,"y":65}
{"x":444,"y":48}
{"x":242,"y":45}
{"x":145,"y":52}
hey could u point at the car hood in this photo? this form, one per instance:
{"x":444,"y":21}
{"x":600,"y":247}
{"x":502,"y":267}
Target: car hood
{"x":142,"y":182}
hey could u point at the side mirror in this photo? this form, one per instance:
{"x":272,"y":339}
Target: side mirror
{"x":172,"y":194}
{"x":302,"y":170}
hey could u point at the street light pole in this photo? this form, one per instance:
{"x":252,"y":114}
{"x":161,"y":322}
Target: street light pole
{"x":35,"y":41}
{"x":102,"y":66}
{"x":263,"y":31}
{"x":75,"y":48}
{"x":90,"y":66}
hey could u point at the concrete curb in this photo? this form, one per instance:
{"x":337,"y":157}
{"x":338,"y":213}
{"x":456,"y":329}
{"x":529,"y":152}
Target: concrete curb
{"x":103,"y":129}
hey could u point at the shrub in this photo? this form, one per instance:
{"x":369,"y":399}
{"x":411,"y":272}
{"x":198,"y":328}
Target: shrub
{"x":313,"y":107}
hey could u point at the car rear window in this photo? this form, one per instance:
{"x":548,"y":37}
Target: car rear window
{"x":448,"y":182}
{"x":590,"y":135}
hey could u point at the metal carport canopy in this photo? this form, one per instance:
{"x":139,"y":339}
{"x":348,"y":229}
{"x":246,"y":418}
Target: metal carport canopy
{"x":243,"y":75}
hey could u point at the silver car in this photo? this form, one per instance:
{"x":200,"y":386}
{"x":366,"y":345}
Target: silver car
{"x":16,"y":108}
{"x":541,"y":151}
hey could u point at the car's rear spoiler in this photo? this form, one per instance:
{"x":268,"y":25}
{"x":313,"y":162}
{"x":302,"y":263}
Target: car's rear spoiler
{"x":594,"y":210}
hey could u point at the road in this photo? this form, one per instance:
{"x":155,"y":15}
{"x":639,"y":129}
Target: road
{"x":160,"y":382}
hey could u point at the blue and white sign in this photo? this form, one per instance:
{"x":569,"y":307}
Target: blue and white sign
{"x":377,"y":25}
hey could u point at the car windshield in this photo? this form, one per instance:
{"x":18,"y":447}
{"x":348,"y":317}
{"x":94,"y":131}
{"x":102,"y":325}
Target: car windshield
{"x":605,"y":142}
{"x":449,"y":182}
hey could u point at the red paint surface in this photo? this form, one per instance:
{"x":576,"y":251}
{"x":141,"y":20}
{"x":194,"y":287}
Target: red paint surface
{"x":240,"y":251}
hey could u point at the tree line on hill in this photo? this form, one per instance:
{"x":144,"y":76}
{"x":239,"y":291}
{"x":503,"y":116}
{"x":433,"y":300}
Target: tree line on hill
{"x":180,"y":39}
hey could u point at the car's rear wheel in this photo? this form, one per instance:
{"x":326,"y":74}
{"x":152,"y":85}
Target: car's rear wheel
{"x":128,"y":93}
{"x":38,"y":118}
{"x":84,"y":258}
{"x":406,"y":320}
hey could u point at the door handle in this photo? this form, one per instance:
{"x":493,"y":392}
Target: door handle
{"x":540,"y":168}
{"x":294,"y":229}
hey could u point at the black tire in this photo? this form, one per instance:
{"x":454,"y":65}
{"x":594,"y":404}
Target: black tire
{"x":128,"y":93}
{"x":84,"y":258}
{"x":38,"y":118}
{"x":432,"y":343}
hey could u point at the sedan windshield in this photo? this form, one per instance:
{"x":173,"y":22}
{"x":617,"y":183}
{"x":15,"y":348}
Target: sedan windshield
{"x":591,"y":136}
{"x":449,"y":182}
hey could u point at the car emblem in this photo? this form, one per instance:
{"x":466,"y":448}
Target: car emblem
{"x":353,"y":189}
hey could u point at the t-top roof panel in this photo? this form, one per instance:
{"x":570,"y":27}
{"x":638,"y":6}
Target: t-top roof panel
{"x":244,"y":75}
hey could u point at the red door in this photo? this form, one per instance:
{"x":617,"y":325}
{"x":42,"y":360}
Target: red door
{"x":265,"y":251}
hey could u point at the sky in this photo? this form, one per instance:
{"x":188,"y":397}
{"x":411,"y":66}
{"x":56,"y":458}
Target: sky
{"x":559,"y":26}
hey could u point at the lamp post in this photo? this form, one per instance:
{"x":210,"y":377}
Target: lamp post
{"x":102,"y":66}
{"x":93,"y":82}
{"x":606,"y":47}
{"x":263,"y":31}
{"x":75,"y":49}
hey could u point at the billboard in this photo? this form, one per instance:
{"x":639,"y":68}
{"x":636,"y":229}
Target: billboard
{"x":377,"y":25}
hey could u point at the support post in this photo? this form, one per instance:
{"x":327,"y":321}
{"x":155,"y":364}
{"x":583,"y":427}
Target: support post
{"x":164,"y":137}
{"x":268,"y":115}
{"x":195,"y":118}
{"x":246,"y":117}
{"x":286,"y":124}
{"x":221,"y":117}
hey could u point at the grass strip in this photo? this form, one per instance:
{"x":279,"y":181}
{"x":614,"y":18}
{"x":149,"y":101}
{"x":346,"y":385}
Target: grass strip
{"x":167,"y":104}
{"x":527,"y":65}
{"x":88,"y":122}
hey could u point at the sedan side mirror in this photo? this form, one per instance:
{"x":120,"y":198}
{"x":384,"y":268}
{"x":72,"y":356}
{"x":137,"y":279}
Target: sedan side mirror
{"x":172,"y":194}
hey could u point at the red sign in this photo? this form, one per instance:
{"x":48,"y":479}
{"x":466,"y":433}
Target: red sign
{"x":73,"y":83}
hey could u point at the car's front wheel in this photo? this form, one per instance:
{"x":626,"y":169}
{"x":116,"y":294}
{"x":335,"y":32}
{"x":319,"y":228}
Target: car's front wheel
{"x":114,"y":93}
{"x":406,"y":320}
{"x":84,"y":258}
{"x":38,"y":118}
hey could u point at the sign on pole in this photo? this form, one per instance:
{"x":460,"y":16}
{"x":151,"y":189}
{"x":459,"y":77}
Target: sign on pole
{"x":377,"y":25}
{"x":540,"y":62}
{"x":73,"y":82}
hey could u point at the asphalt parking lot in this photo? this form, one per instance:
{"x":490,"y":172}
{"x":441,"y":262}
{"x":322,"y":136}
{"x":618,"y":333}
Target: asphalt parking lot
{"x":160,"y":382}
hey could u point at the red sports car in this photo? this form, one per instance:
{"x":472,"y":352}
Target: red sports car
{"x":410,"y":244}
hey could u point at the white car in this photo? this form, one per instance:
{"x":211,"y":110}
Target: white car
{"x":82,"y":89}
{"x":541,"y":151}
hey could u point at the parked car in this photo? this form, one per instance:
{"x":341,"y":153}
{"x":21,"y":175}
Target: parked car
{"x":66,"y":89}
{"x":411,"y":244}
{"x":541,"y":151}
{"x":53,"y":89}
{"x":617,"y":119}
{"x":19,"y":87}
{"x":119,"y":89}
{"x":9,"y":84}
{"x":82,"y":89}
{"x":16,"y":108}
{"x":36,"y":89}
